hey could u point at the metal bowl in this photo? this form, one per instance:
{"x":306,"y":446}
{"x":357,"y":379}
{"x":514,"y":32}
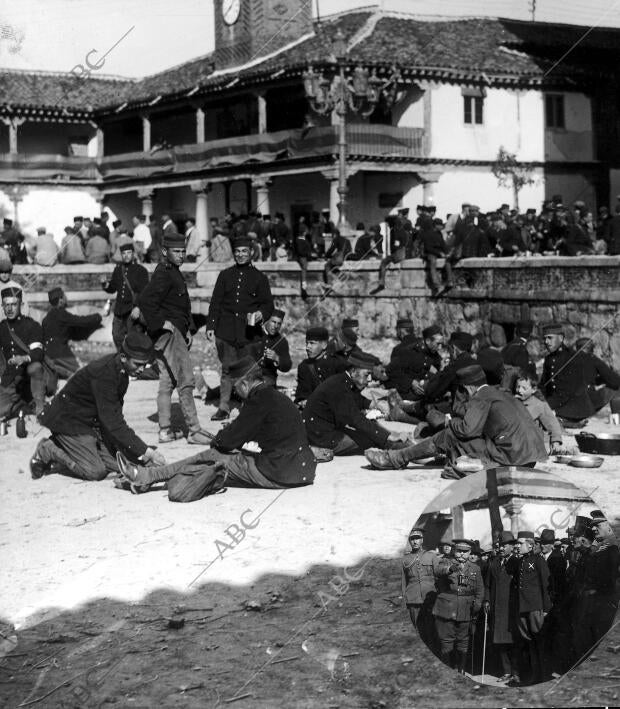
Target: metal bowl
{"x":564,"y":459}
{"x":601,"y":443}
{"x":584,"y":460}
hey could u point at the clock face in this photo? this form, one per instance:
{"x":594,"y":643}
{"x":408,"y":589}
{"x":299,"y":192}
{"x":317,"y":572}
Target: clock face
{"x":230,"y":11}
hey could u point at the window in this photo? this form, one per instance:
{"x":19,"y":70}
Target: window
{"x":473,"y":109}
{"x":554,"y":110}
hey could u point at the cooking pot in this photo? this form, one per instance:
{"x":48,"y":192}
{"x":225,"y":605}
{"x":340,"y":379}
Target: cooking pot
{"x":585,"y":460}
{"x":601,"y":444}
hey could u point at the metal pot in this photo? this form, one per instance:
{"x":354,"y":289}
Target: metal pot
{"x":601,"y":444}
{"x":585,"y":460}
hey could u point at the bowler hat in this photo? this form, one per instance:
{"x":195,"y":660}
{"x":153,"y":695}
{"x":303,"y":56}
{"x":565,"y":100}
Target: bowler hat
{"x":473,"y":375}
{"x":242,"y":367}
{"x":547,"y":536}
{"x":138,"y":346}
{"x":404,"y":322}
{"x":350,"y":322}
{"x":463,"y":340}
{"x":507,"y":537}
{"x":317,"y":334}
{"x":54,"y":294}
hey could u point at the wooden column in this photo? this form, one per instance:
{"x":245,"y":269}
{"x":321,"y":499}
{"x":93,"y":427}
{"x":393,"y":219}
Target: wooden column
{"x":146,"y":133}
{"x":200,"y":125}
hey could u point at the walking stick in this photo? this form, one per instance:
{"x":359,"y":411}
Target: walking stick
{"x":484,"y":643}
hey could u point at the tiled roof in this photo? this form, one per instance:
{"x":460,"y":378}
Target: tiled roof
{"x":446,"y":48}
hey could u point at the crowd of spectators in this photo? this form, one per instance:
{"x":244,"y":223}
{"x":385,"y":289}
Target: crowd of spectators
{"x":557,"y":229}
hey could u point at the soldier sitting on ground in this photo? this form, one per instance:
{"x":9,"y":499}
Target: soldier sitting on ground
{"x":317,"y":367}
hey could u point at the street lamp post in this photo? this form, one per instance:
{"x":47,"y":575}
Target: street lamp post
{"x":359,"y":93}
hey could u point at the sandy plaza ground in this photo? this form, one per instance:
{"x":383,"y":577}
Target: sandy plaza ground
{"x":300,"y":606}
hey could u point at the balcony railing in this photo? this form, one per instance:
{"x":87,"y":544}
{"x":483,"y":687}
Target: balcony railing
{"x":371,"y":141}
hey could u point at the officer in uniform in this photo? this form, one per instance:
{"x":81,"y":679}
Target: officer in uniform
{"x":241,"y":300}
{"x":21,"y":341}
{"x":460,"y":596}
{"x":530,"y":575}
{"x":128,"y":280}
{"x":59,"y":326}
{"x":86,"y":418}
{"x":267,"y":417}
{"x":271,"y":351}
{"x":420,"y":567}
{"x":334,"y":414}
{"x":165,"y":306}
{"x":563,"y":380}
{"x":317,"y":367}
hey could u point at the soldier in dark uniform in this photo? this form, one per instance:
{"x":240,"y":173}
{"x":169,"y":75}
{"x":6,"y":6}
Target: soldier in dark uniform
{"x":21,"y":341}
{"x":271,"y":350}
{"x":165,"y":307}
{"x":602,"y":382}
{"x":406,"y":338}
{"x":267,"y":417}
{"x":445,"y":382}
{"x":515,"y":353}
{"x":241,"y":300}
{"x":413,"y":361}
{"x":563,"y":380}
{"x":128,"y":281}
{"x":500,"y":602}
{"x":317,"y":367}
{"x":334,"y":414}
{"x":420,"y":567}
{"x":86,"y":418}
{"x":460,"y":596}
{"x":60,"y":326}
{"x":530,"y":575}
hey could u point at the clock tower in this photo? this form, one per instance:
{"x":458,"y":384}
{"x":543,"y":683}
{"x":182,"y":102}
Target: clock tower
{"x":248,"y":29}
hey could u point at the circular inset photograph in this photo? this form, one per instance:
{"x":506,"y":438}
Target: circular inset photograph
{"x":510,"y":576}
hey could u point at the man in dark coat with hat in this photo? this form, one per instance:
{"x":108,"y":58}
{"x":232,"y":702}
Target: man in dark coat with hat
{"x":241,"y":300}
{"x":318,"y":366}
{"x":413,"y":359}
{"x":460,"y":595}
{"x":60,"y":326}
{"x":128,"y":281}
{"x":530,"y":575}
{"x":21,"y":342}
{"x":271,"y":350}
{"x":500,"y":602}
{"x":268,"y":418}
{"x":334,"y":414}
{"x":86,"y":418}
{"x":166,"y":309}
{"x":495,"y":429}
{"x":563,"y":380}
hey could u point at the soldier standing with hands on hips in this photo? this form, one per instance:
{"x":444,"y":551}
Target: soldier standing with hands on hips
{"x":241,"y":301}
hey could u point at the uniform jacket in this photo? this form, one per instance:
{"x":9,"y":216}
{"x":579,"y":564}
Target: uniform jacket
{"x":530,"y":575}
{"x":408,"y":362}
{"x":165,"y":297}
{"x":279,"y":344}
{"x":460,"y":592}
{"x":502,"y":597}
{"x":60,"y":326}
{"x":312,"y":372}
{"x":600,"y":571}
{"x":30,"y":333}
{"x":93,"y":398}
{"x":510,"y":434}
{"x":438,"y":385}
{"x":138,"y":278}
{"x":239,"y":290}
{"x":564,"y":384}
{"x":419,"y":572}
{"x":272,"y":420}
{"x":333,"y":407}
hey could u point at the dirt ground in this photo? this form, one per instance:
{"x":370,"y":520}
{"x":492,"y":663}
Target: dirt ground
{"x":249,"y":598}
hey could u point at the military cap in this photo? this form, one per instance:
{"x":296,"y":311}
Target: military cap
{"x":138,"y":346}
{"x":78,"y":219}
{"x":277,"y":313}
{"x":547,"y":536}
{"x":97,"y":220}
{"x":431,"y":330}
{"x":531,"y":210}
{"x":11,"y":292}
{"x":374,"y":229}
{"x":280,"y":215}
{"x":266,"y":217}
{"x":524,"y":328}
{"x":242,"y":242}
{"x":419,"y":208}
{"x":174,"y":241}
{"x":473,"y":375}
{"x":525,"y":535}
{"x":416,"y":532}
{"x":125,"y":243}
{"x":597,"y":516}
{"x":404,"y":322}
{"x":461,"y":544}
{"x":317,"y":334}
{"x":242,"y":367}
{"x":7,"y":222}
{"x":349,"y":336}
{"x":350,"y":322}
{"x":431,"y":209}
{"x":361,"y":360}
{"x":462,"y":340}
{"x":553,"y":329}
{"x":54,"y":295}
{"x":507,"y":537}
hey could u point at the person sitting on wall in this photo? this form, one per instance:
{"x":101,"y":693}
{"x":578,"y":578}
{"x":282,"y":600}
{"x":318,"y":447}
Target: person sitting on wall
{"x":495,"y":428}
{"x":334,"y":414}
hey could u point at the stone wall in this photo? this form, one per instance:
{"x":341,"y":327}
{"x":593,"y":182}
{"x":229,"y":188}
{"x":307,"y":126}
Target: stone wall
{"x":490,"y":295}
